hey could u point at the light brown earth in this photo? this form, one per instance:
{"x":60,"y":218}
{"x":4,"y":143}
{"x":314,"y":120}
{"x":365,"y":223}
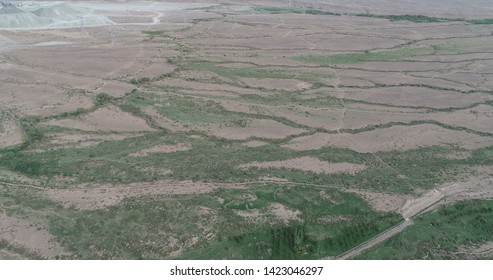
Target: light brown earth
{"x":253,"y":214}
{"x":395,"y":138}
{"x":309,"y":164}
{"x":235,"y":106}
{"x":10,"y":133}
{"x":91,"y":196}
{"x":360,"y":116}
{"x":109,"y":118}
{"x":29,"y":235}
{"x":415,"y":97}
{"x":115,"y":88}
{"x":254,"y":144}
{"x":276,"y":84}
{"x":78,"y":140}
{"x":40,"y":100}
{"x":284,"y":214}
{"x":382,"y":202}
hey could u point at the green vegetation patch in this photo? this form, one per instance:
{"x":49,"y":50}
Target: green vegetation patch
{"x":439,"y":235}
{"x":208,"y":226}
{"x":411,"y":18}
{"x":407,"y":17}
{"x":187,"y":110}
{"x":286,"y":10}
{"x":234,"y":74}
{"x":154,"y":34}
{"x":329,"y":223}
{"x":214,"y":159}
{"x":361,"y":57}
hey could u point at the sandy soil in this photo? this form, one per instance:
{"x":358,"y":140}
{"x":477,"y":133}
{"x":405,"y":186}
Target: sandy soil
{"x":90,"y":197}
{"x":356,"y":116}
{"x":78,"y":140}
{"x":309,"y":164}
{"x":28,"y":235}
{"x":155,"y":171}
{"x":360,"y":115}
{"x":477,"y":118}
{"x":100,"y":61}
{"x":254,"y":144}
{"x":415,"y":97}
{"x":276,"y":84}
{"x":156,"y":68}
{"x":16,"y":73}
{"x":394,"y":138}
{"x":109,"y":118}
{"x":10,"y":134}
{"x":329,"y":42}
{"x":234,"y":106}
{"x":40,"y":100}
{"x":115,"y":88}
{"x":255,"y":215}
{"x":400,"y":78}
{"x":284,"y":214}
{"x":382,"y":202}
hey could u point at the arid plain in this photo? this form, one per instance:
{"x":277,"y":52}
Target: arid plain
{"x":273,"y":130}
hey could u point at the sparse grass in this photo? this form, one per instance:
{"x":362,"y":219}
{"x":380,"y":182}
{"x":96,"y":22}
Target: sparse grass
{"x":440,"y":234}
{"x":186,"y":110}
{"x":154,"y":34}
{"x":407,"y":17}
{"x":411,"y":18}
{"x":141,"y":81}
{"x":234,"y":74}
{"x":213,"y":159}
{"x":360,"y":57}
{"x":207,"y":226}
{"x":481,"y":21}
{"x":283,"y":10}
{"x":311,"y":237}
{"x":19,"y":251}
{"x":291,"y":100}
{"x":445,"y":49}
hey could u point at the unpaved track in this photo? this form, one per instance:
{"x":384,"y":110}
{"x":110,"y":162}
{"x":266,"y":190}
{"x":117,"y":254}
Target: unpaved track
{"x":477,"y":189}
{"x":375,"y":240}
